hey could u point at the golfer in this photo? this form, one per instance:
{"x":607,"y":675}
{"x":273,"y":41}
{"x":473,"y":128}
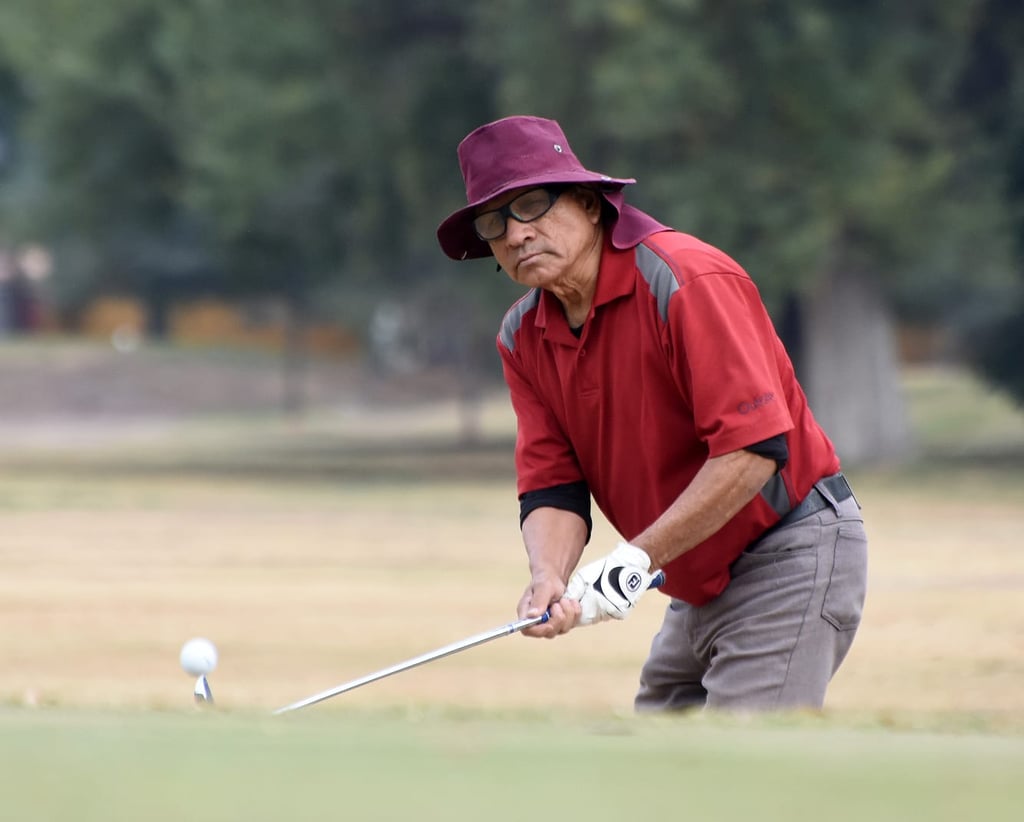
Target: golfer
{"x":646,"y":375}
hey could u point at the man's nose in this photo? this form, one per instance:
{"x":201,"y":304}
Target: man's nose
{"x":516,"y":233}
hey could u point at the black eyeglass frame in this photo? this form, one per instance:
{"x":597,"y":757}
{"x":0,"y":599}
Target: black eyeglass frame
{"x":553,"y":192}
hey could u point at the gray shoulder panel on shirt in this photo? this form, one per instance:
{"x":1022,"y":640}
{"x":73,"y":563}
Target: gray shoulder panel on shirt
{"x":514,"y":318}
{"x":775,"y":494}
{"x":659,"y":276}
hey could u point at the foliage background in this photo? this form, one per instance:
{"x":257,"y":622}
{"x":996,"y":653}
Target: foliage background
{"x":307,"y":149}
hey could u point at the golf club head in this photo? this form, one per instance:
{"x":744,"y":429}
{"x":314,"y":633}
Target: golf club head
{"x":203,"y":694}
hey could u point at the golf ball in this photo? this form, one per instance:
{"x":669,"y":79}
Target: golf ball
{"x":198,"y":656}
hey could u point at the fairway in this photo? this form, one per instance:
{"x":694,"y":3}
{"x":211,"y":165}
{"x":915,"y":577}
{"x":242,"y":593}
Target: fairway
{"x":427,"y":766}
{"x":317,"y":550}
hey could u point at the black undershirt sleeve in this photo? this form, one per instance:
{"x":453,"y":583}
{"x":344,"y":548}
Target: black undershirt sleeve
{"x":571,"y":496}
{"x":575,"y":496}
{"x":774,"y":448}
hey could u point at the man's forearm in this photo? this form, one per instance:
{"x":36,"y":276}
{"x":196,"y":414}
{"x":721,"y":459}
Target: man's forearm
{"x":554,"y":541}
{"x":719,"y":490}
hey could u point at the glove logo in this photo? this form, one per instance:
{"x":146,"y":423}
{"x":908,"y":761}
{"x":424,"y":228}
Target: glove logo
{"x":609,"y":588}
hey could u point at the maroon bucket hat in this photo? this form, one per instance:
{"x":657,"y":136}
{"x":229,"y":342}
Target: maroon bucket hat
{"x":517,"y":152}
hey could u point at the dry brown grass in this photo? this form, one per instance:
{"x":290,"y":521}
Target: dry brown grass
{"x":944,"y":624}
{"x":307,"y":584}
{"x":317,"y":554}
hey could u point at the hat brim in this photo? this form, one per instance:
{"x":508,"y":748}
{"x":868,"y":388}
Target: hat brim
{"x":456,"y":234}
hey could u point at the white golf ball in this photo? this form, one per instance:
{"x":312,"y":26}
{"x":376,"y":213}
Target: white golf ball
{"x":198,"y":656}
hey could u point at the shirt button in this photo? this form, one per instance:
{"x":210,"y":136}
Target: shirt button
{"x":583,"y":352}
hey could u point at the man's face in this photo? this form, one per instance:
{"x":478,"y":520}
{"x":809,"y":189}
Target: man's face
{"x":545,"y":251}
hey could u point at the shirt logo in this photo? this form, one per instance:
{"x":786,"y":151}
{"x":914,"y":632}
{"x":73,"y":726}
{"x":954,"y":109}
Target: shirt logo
{"x":759,"y":401}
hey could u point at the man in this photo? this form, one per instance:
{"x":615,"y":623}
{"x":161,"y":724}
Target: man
{"x":645,"y":374}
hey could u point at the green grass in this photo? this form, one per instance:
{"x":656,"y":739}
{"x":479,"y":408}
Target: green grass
{"x":125,"y":766}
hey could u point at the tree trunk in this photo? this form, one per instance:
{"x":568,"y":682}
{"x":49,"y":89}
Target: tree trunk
{"x":851,"y":369}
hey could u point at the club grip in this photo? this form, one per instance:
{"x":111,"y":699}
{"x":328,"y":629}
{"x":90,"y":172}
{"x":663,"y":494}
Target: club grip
{"x":656,"y":582}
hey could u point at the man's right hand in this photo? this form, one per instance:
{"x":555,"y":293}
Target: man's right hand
{"x":547,"y":593}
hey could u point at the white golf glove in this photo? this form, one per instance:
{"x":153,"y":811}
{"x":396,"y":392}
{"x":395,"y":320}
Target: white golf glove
{"x":609,"y":588}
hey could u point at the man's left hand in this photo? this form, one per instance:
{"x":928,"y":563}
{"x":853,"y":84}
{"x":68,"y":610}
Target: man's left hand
{"x":609,"y":588}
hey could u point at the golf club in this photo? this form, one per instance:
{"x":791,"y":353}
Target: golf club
{"x":430,"y":656}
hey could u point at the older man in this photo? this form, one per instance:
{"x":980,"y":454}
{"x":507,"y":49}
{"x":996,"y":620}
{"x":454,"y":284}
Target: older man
{"x":646,"y":374}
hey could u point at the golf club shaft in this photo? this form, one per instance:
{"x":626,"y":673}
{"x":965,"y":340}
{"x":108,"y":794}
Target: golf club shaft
{"x":447,"y":650}
{"x":430,"y":656}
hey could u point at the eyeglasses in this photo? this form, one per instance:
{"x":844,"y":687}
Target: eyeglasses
{"x":529,"y":206}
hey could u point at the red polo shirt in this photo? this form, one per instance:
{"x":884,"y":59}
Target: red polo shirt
{"x":678,"y":361}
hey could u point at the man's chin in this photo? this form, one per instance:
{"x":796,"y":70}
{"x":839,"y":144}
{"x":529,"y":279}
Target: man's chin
{"x":535,"y":270}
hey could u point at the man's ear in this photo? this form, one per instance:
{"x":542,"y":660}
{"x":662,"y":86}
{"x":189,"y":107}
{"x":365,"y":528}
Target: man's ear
{"x":590,"y":200}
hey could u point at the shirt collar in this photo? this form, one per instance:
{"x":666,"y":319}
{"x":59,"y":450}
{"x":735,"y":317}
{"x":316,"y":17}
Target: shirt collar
{"x":615,"y":279}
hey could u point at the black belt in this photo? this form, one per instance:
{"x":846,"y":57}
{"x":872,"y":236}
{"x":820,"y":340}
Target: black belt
{"x":816,"y":501}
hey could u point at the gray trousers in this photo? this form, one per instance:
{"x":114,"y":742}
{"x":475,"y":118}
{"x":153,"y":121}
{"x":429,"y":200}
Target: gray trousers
{"x":776,"y":635}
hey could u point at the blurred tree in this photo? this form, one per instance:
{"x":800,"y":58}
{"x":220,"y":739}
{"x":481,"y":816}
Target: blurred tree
{"x":99,"y":122}
{"x":283,"y":140}
{"x":991,"y":92}
{"x":313,"y":136}
{"x":10,"y":103}
{"x":199,"y":144}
